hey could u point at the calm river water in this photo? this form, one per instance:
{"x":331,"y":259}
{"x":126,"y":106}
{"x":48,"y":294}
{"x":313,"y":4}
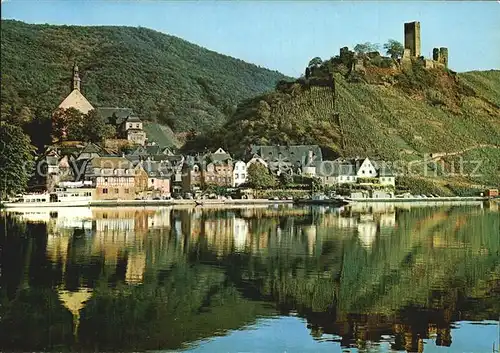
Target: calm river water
{"x":364,"y":278}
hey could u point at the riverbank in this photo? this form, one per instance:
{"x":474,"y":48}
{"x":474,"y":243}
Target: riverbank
{"x":97,"y":203}
{"x":419,"y":199}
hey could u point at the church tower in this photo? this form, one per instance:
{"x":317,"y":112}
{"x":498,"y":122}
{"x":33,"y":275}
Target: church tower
{"x":76,"y":78}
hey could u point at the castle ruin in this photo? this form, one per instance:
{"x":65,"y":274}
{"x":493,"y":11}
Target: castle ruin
{"x":412,"y":48}
{"x":412,"y":38}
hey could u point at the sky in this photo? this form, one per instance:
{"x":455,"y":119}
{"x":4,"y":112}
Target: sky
{"x":285,"y":35}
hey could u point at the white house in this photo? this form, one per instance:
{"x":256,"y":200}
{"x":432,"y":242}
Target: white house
{"x":366,"y":170}
{"x":348,"y":171}
{"x":239,"y":173}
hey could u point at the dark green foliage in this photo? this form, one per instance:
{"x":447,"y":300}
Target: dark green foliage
{"x":315,"y":62}
{"x":95,"y":128}
{"x":16,"y":159}
{"x":394,"y":48}
{"x":363,"y":48}
{"x":158,"y":76}
{"x":259,"y":177}
{"x":71,"y":124}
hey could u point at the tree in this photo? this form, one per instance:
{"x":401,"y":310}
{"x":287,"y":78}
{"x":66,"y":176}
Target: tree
{"x":67,"y":124}
{"x":286,"y":180}
{"x":394,"y":48}
{"x":363,"y":48}
{"x":259,"y":177}
{"x":16,"y":159}
{"x":95,"y":129}
{"x":315,"y":62}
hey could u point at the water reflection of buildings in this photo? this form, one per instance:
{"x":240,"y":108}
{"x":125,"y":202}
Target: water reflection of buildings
{"x":130,"y":241}
{"x":113,"y":234}
{"x":364,"y":331}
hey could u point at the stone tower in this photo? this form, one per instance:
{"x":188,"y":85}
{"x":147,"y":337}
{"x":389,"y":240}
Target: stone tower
{"x":443,"y":53}
{"x":76,"y":78}
{"x":412,"y":37}
{"x":440,"y":55}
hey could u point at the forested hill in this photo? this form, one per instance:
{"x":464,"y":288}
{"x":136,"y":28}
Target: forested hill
{"x":157,"y":75}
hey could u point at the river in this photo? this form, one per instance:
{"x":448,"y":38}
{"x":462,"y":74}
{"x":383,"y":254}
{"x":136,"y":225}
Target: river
{"x":361,"y":278}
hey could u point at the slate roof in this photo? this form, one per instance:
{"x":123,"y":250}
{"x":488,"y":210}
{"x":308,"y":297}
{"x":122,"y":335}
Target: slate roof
{"x":121,"y":113}
{"x":92,"y":148}
{"x":157,"y":170}
{"x":111,"y":162}
{"x":292,"y":154}
{"x":384,"y":169}
{"x":133,"y":119}
{"x":152,"y":150}
{"x":218,"y":157}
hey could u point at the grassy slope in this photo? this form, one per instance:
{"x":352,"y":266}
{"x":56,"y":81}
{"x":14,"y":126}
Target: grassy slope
{"x":157,"y":75}
{"x":160,"y":134}
{"x":379,"y":120}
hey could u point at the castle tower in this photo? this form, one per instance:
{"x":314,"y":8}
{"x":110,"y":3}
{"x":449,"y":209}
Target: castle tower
{"x":443,"y":53}
{"x":412,"y":37}
{"x":76,"y":78}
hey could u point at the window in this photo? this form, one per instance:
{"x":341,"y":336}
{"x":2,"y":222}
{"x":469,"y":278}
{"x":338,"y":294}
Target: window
{"x":105,"y":191}
{"x":126,"y":191}
{"x":243,"y":176}
{"x":137,"y":125}
{"x":152,"y":181}
{"x":117,"y":191}
{"x":105,"y":180}
{"x":363,"y":171}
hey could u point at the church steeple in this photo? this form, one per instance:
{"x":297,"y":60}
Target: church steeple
{"x":76,"y":78}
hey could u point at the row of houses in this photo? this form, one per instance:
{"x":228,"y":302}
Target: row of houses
{"x":154,"y":171}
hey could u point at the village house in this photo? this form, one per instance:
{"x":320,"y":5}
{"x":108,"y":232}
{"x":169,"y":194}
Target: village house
{"x":239,"y":173}
{"x":293,"y":160}
{"x":355,"y":171}
{"x":218,"y":169}
{"x":112,"y":177}
{"x":140,"y":179}
{"x":53,"y":169}
{"x":158,"y":178}
{"x":162,"y":158}
{"x":191,"y":175}
{"x":131,"y":129}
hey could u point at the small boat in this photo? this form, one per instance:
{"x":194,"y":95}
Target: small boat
{"x":58,"y":198}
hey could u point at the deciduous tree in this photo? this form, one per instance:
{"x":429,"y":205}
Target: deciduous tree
{"x":16,"y":159}
{"x":366,"y":47}
{"x":394,"y":48}
{"x":259,"y":177}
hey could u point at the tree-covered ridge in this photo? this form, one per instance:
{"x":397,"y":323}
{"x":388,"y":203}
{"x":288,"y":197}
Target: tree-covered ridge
{"x":157,"y":75}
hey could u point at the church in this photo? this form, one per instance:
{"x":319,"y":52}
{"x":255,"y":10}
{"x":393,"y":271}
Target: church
{"x":128,"y":125}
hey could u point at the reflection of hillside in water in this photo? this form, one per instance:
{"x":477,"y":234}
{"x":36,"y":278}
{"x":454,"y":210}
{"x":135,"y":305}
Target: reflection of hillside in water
{"x":361,"y":272}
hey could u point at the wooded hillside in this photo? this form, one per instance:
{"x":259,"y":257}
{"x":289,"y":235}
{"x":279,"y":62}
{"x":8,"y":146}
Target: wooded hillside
{"x":159,"y":76}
